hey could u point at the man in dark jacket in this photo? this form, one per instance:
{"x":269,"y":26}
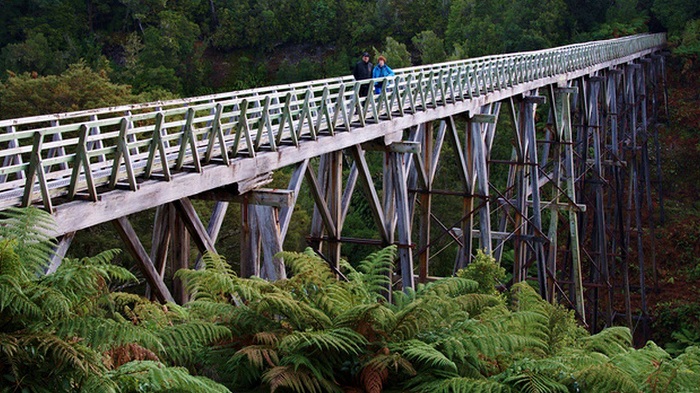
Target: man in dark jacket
{"x":363,"y":70}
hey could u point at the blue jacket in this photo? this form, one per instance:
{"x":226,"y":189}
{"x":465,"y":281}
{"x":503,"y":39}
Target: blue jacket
{"x":380,"y":72}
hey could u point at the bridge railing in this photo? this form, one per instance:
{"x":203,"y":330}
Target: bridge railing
{"x":55,"y":158}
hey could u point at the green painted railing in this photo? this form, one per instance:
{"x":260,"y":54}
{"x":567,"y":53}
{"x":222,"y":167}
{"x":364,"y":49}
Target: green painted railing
{"x":55,"y":158}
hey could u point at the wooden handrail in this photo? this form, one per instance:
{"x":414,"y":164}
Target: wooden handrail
{"x":51,"y":158}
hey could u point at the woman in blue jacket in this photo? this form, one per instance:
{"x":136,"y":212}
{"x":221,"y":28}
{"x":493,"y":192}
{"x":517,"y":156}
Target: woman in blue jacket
{"x":380,"y":71}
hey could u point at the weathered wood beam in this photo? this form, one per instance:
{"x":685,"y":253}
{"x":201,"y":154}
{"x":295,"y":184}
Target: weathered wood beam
{"x":285,"y":214}
{"x":60,"y":252}
{"x":321,"y":204}
{"x":133,"y":244}
{"x":403,"y":223}
{"x":194,"y":225}
{"x":180,"y":256}
{"x":250,"y":242}
{"x":267,"y":197}
{"x":358,"y":155}
{"x":229,"y":192}
{"x":272,"y":267}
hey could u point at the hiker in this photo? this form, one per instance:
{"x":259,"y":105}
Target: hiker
{"x":363,"y":70}
{"x":381,"y":70}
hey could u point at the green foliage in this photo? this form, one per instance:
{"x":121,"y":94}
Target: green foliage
{"x":397,"y":56}
{"x":77,"y":88}
{"x":68,"y":329}
{"x":689,"y":45}
{"x":430,"y":46}
{"x":674,"y":14}
{"x":484,"y":270}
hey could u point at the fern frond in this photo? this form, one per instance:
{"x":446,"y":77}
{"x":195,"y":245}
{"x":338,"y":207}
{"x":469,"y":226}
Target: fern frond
{"x":449,"y":287}
{"x":421,"y":352}
{"x":610,"y":341}
{"x":211,"y":311}
{"x":14,"y":301}
{"x":8,"y":345}
{"x":463,"y":385}
{"x":82,"y":278}
{"x":123,"y":354}
{"x":532,"y":376}
{"x":641,"y":362}
{"x":307,"y":266}
{"x":63,"y":354}
{"x":103,"y":334}
{"x":340,"y":340}
{"x":475,"y":303}
{"x":392,"y":361}
{"x":681,"y":374}
{"x":411,"y":319}
{"x":372,"y":379}
{"x":260,"y":356}
{"x":605,"y":378}
{"x":134,"y":376}
{"x":30,"y":228}
{"x":373,"y":273}
{"x":298,"y":380}
{"x":214,"y":283}
{"x":53,"y":303}
{"x":455,"y":348}
{"x":280,"y":304}
{"x":182,"y":340}
{"x":376,"y":315}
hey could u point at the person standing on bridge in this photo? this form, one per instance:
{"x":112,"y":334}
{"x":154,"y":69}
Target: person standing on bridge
{"x":381,"y":70}
{"x":363,"y":70}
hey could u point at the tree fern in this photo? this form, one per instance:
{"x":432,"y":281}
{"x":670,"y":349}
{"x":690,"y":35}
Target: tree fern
{"x":425,"y":354}
{"x":28,"y":230}
{"x":66,"y":327}
{"x":604,"y":378}
{"x":371,"y":278}
{"x":610,"y":341}
{"x":535,"y":376}
{"x":297,"y":379}
{"x":183,"y":340}
{"x":340,"y":340}
{"x":462,"y":385}
{"x":370,"y":320}
{"x":448,"y":287}
{"x":150,"y":376}
{"x":681,"y":374}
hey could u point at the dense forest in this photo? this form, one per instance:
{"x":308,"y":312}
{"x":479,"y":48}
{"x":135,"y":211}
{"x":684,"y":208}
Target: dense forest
{"x":83,"y":329}
{"x":164,"y":48}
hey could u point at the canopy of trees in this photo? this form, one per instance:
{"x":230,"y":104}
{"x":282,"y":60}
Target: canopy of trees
{"x":189,"y":47}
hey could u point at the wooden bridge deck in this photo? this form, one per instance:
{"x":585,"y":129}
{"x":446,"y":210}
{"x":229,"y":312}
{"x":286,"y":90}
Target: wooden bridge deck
{"x":95,"y":166}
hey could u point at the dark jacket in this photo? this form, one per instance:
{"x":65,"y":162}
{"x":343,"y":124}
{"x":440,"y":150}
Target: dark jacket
{"x":362,"y":70}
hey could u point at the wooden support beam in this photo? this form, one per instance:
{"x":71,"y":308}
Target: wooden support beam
{"x":405,"y":147}
{"x":133,"y":244}
{"x":60,"y":252}
{"x":321,"y":204}
{"x":160,"y":241}
{"x":285,"y":213}
{"x":483,"y":118}
{"x":250,"y":242}
{"x":370,"y":191}
{"x":214,"y":226}
{"x":267,"y":197}
{"x":272,"y":267}
{"x":229,"y":192}
{"x":535,"y":99}
{"x":180,"y":256}
{"x":403,"y":224}
{"x":194,"y":225}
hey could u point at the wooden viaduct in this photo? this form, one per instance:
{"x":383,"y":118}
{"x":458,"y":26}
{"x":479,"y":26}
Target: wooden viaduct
{"x":572,"y":209}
